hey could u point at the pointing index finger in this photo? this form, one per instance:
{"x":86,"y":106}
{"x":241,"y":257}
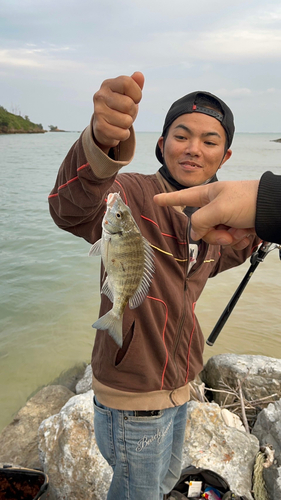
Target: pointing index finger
{"x":191,"y":197}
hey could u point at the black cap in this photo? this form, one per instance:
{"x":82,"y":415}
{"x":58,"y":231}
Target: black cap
{"x":187,"y":104}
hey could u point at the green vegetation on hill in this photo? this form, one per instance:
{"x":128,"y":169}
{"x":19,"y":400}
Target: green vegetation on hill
{"x":16,"y":124}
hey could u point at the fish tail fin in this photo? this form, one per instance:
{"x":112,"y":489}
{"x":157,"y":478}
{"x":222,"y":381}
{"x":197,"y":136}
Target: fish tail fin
{"x":113,"y":324}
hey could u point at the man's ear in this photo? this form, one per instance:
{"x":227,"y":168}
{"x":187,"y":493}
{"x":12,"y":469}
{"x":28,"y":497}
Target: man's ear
{"x":226,"y":156}
{"x":161,"y":144}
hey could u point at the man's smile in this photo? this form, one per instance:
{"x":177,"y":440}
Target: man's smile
{"x":189,"y":165}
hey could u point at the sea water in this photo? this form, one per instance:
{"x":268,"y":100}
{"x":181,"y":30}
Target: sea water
{"x":49,"y":287}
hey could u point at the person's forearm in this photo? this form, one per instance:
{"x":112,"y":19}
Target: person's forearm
{"x":104,"y":164}
{"x":86,"y":174}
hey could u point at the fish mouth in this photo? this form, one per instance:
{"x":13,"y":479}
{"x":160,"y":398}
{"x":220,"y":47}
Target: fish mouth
{"x":111,"y":199}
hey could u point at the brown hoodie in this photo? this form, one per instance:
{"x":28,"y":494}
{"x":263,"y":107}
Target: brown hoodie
{"x":162,"y":340}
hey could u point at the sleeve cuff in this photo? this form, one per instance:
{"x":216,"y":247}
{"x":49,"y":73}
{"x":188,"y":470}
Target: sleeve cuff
{"x":268,"y":216}
{"x":102,"y":165}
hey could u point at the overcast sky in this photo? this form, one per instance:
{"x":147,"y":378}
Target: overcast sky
{"x":54,"y":54}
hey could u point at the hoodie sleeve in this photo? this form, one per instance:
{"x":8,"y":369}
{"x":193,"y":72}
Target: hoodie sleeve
{"x":77,"y":201}
{"x":268,"y":214}
{"x":231,"y":258}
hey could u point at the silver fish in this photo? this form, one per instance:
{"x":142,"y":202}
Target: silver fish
{"x":129,"y":263}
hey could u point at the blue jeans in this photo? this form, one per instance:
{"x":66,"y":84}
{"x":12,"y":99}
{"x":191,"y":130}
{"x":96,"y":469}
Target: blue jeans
{"x":144,"y":452}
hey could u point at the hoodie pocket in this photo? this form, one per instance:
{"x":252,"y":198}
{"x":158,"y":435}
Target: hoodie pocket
{"x":128,"y":337}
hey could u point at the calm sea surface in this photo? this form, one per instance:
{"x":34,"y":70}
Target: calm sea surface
{"x":49,"y":287}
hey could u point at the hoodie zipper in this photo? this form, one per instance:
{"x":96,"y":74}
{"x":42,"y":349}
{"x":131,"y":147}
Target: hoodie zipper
{"x":183,"y":316}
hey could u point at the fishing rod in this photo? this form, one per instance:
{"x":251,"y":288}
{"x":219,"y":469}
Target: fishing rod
{"x":255,"y":260}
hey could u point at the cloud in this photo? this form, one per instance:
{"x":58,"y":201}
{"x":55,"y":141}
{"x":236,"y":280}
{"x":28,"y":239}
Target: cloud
{"x":64,"y":50}
{"x":17,"y":58}
{"x":249,"y":94}
{"x":209,"y":47}
{"x":242,"y":44}
{"x":44,"y":58}
{"x":235,"y":93}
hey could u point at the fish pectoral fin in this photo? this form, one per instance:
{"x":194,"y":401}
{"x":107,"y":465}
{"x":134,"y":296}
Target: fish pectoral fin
{"x":106,"y":290}
{"x":113,"y":324}
{"x":95,"y":248}
{"x":149,"y":268}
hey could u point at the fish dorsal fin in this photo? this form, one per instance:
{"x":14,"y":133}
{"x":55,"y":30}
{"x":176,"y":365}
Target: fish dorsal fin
{"x":106,"y":290}
{"x":95,"y":248}
{"x":145,"y":283}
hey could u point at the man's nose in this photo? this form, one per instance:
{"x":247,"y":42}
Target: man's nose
{"x":193,"y":147}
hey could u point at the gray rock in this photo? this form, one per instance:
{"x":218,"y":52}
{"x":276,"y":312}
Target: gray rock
{"x":211,"y":444}
{"x":70,"y":377}
{"x":85,"y":384}
{"x":261,"y":375}
{"x":272,"y":479}
{"x":268,"y":430}
{"x":70,"y":455}
{"x":19,"y":440}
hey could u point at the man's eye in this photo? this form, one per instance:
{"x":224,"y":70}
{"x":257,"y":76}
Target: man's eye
{"x":180,"y":137}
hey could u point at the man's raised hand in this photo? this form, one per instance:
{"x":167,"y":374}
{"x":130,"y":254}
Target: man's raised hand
{"x":116,"y":108}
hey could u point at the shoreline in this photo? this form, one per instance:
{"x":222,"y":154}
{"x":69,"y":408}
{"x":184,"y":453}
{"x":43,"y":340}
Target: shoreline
{"x":24,"y":132}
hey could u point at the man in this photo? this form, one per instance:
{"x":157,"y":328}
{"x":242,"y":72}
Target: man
{"x":141,"y":389}
{"x":255,"y":205}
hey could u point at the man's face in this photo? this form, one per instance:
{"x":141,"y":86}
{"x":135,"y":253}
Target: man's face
{"x":194,"y":148}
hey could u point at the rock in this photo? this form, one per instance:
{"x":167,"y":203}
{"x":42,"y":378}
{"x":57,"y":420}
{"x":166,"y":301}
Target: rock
{"x":261,"y":375}
{"x":69,"y":378}
{"x":268,"y":430}
{"x":272,"y":478}
{"x":211,"y":444}
{"x":85,"y":384}
{"x":70,"y":455}
{"x":214,"y":437}
{"x":232,"y":420}
{"x":76,"y":469}
{"x":19,"y":440}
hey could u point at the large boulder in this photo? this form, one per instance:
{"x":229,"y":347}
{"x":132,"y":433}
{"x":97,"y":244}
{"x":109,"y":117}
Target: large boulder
{"x":70,"y":455}
{"x":212,"y":444}
{"x":19,"y":440}
{"x":268,"y":430}
{"x":260,"y":375}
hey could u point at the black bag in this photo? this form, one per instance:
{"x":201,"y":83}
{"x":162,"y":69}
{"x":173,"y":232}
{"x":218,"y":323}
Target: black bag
{"x":208,"y":478}
{"x":19,"y":483}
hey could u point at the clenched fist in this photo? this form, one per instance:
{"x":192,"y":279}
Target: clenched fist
{"x":115,"y":109}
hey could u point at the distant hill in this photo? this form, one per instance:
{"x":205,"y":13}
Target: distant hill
{"x":16,"y":124}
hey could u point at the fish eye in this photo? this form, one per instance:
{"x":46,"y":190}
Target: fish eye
{"x":118,"y":215}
